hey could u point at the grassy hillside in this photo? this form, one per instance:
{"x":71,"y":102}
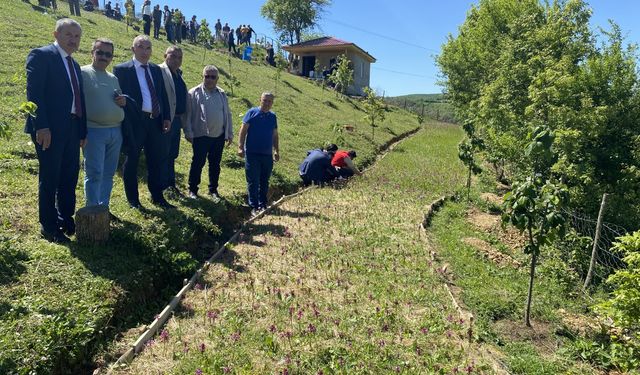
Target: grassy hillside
{"x":435,"y":106}
{"x":363,"y":299}
{"x":60,"y":305}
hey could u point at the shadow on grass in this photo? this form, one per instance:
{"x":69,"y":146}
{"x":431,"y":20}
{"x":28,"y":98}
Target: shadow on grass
{"x":292,"y":87}
{"x":295,"y":215}
{"x":11,"y":262}
{"x":330,"y":104}
{"x":229,"y":260}
{"x":247,"y":103}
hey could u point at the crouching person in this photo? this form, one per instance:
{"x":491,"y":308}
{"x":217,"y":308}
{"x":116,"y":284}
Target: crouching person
{"x":342,"y":161}
{"x":207,"y":128}
{"x":316,"y":168}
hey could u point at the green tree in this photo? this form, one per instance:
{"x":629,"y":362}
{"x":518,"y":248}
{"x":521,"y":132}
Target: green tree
{"x":232,"y":81}
{"x":281,"y":65}
{"x":342,"y":75}
{"x":25,"y":110}
{"x":290,"y":18}
{"x":204,"y":37}
{"x":535,"y":205}
{"x":466,"y":150}
{"x":374,"y":108}
{"x":517,"y":65}
{"x":129,"y":17}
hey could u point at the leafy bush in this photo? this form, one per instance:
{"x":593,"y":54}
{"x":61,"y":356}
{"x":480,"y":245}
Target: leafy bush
{"x":621,"y":313}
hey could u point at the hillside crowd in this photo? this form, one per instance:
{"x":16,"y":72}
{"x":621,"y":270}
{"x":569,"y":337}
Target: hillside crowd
{"x":174,"y":23}
{"x":140,"y":107}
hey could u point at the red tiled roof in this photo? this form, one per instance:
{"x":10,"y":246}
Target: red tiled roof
{"x":326,"y":42}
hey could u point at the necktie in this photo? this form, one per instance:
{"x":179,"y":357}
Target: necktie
{"x":77,"y":100}
{"x":155,"y":106}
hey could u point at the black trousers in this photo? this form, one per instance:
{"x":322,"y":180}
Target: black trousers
{"x":156,"y":29}
{"x":206,"y":148}
{"x":146,"y":24}
{"x":148,"y":136}
{"x":59,"y":166}
{"x":74,"y":7}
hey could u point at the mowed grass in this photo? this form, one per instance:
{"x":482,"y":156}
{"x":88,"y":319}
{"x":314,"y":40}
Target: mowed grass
{"x":60,"y":305}
{"x":496,"y":295}
{"x":337,"y":280}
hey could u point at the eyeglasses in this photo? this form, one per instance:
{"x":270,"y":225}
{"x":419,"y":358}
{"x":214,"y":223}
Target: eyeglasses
{"x":108,"y":55}
{"x":207,"y":76}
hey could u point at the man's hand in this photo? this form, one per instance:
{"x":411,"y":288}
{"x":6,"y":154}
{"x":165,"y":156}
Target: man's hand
{"x":121,"y":101}
{"x":241,"y":151}
{"x":276,"y":156}
{"x":166,"y":126}
{"x":43,"y":138}
{"x":83,"y":142}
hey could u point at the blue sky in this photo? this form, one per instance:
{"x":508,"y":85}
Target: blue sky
{"x":403,"y":35}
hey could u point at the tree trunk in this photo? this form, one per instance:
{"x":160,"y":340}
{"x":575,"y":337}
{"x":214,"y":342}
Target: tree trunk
{"x":596,"y":239}
{"x":469,"y":183}
{"x":92,"y":225}
{"x":532,"y":272}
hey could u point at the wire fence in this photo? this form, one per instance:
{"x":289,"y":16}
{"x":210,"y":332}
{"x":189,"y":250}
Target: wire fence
{"x":605,"y":260}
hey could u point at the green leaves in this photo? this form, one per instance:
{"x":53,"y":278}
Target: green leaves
{"x":291,"y":18}
{"x":342,"y":76}
{"x":374,"y":108}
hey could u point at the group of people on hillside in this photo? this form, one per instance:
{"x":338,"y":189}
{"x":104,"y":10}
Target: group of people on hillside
{"x":322,"y":166}
{"x":140,"y":107}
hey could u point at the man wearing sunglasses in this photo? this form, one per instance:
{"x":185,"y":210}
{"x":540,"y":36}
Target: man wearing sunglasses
{"x":207,"y":128}
{"x":104,"y":104}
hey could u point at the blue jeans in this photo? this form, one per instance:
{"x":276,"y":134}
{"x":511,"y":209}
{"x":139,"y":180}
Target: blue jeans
{"x":100,"y":162}
{"x":174,"y":150}
{"x":258,"y":171}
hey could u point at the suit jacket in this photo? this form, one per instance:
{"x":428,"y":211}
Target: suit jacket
{"x":170,"y":88}
{"x":128,"y":79}
{"x":49,"y":87}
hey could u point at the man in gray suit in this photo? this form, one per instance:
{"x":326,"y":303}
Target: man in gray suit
{"x":177,"y":94}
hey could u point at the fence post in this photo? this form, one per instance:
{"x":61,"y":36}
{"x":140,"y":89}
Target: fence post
{"x":596,"y":239}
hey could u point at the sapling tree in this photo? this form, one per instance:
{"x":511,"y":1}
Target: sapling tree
{"x":535,"y":204}
{"x":204,"y":37}
{"x":281,"y":65}
{"x":342,"y":75}
{"x":25,"y":110}
{"x":232,"y":81}
{"x":374,"y":109}
{"x":467,"y":149}
{"x":129,"y":17}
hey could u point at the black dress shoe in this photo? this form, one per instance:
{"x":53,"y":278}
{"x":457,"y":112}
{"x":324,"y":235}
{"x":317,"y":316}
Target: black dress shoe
{"x":163,"y":204}
{"x":55,"y":237}
{"x":67,"y":227}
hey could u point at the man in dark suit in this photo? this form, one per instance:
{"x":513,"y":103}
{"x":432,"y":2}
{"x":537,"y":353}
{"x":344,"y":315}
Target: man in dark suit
{"x":59,"y":129}
{"x":143,"y":83}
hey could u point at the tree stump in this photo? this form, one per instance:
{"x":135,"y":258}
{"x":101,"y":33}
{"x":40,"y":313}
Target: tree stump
{"x":92,"y":225}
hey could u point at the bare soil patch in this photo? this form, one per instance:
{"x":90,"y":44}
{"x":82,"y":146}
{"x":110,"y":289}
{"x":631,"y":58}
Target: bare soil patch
{"x":491,"y":198}
{"x":541,"y":334}
{"x":485,"y":248}
{"x":490,"y":223}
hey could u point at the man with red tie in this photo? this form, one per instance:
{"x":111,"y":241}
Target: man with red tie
{"x":59,"y":128}
{"x":149,"y":112}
